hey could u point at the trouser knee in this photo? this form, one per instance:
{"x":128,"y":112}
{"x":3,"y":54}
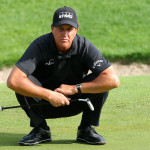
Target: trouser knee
{"x":28,"y":101}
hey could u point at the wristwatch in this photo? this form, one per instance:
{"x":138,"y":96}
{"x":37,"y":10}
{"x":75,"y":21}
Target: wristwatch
{"x":78,"y":86}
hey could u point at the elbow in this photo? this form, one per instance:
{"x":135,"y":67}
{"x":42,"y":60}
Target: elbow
{"x":15,"y":79}
{"x":10,"y":83}
{"x":116,"y":82}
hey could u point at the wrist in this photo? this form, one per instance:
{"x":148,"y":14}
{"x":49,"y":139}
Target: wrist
{"x":48,"y":95}
{"x":78,"y":87}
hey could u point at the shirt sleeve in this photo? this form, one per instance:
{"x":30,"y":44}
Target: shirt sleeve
{"x":94,"y":59}
{"x":30,"y":59}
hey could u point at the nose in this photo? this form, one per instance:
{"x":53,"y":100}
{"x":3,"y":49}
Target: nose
{"x":65,"y":33}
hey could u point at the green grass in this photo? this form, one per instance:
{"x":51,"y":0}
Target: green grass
{"x":125,"y":121}
{"x":119,"y":28}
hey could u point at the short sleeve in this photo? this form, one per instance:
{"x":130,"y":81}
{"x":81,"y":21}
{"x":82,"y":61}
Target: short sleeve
{"x":28,"y":62}
{"x":94,"y":60}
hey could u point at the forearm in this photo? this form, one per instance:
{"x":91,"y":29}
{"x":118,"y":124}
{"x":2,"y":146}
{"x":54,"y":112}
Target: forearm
{"x":95,"y":86}
{"x":19,"y":82}
{"x":25,"y":87}
{"x":106,"y":81}
{"x":103,"y":83}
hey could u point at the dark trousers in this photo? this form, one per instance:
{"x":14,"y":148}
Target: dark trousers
{"x":38,"y":113}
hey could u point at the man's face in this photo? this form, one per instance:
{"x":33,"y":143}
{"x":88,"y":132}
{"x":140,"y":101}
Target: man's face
{"x":64,"y":35}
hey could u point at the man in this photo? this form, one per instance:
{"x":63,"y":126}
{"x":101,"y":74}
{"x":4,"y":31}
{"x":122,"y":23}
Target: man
{"x":54,"y":70}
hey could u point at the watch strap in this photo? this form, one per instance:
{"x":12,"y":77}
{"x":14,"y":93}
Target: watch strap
{"x":78,"y":86}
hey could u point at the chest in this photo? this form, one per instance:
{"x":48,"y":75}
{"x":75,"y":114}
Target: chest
{"x":61,"y":65}
{"x":64,"y":70}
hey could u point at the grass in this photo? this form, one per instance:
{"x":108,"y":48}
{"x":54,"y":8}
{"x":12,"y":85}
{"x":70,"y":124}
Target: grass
{"x":119,"y":28}
{"x":125,"y":121}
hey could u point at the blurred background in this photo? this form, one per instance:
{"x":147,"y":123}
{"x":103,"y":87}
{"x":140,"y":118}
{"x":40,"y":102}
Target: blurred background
{"x":120,"y":29}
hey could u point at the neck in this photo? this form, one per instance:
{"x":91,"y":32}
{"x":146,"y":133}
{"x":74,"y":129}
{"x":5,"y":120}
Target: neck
{"x":62,"y":51}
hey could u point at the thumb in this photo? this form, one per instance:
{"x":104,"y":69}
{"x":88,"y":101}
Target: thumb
{"x":67,"y":97}
{"x":58,"y":90}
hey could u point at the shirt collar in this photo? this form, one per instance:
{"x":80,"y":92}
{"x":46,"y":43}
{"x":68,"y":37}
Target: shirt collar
{"x":72,"y":51}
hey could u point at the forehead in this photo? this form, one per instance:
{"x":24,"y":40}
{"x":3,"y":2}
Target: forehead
{"x":65,"y":26}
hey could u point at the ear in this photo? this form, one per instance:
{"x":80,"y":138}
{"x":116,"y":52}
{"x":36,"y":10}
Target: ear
{"x":52,"y":27}
{"x":77,"y":28}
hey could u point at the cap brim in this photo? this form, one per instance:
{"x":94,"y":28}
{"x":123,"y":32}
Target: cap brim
{"x":66,"y":22}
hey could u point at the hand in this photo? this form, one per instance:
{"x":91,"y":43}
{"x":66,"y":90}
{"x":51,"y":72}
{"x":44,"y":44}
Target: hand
{"x":67,"y":89}
{"x":57,"y":99}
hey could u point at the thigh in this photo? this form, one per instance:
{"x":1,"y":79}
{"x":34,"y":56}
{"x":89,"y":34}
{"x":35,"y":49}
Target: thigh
{"x":73,"y":109}
{"x":77,"y":107}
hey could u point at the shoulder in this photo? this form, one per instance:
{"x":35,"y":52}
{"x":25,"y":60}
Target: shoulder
{"x":43,"y":38}
{"x":45,"y":43}
{"x":82,"y":41}
{"x":85,"y":46}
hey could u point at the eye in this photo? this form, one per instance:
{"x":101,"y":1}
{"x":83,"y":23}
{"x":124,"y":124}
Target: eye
{"x":69,"y":28}
{"x":60,"y":29}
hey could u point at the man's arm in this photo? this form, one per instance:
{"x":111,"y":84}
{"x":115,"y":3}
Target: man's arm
{"x":106,"y":81}
{"x":19,"y":82}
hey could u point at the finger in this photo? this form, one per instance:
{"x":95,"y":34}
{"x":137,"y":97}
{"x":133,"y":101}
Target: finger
{"x":67,"y":102}
{"x":56,"y":90}
{"x":59,"y":90}
{"x":67,"y":97}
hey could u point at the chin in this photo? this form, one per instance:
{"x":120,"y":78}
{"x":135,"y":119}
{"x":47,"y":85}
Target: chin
{"x":65,"y":46}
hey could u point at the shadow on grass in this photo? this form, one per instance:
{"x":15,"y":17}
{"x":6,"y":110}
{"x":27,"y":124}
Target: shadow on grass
{"x":12,"y":139}
{"x":63,"y":141}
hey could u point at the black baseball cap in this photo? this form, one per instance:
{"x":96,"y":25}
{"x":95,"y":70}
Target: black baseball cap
{"x":65,"y":15}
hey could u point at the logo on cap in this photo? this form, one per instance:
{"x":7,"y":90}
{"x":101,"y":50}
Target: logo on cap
{"x":65,"y":15}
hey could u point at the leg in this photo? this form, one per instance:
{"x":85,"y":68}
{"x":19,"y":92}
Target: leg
{"x":86,"y":133}
{"x":93,"y":117}
{"x":41,"y":132}
{"x":39,"y":113}
{"x":98,"y":100}
{"x":34,"y":113}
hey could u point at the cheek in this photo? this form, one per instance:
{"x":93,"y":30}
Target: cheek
{"x":56,"y":36}
{"x":72,"y":35}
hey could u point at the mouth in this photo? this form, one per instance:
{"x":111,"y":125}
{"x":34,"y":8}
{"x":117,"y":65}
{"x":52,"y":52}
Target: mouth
{"x":65,"y":40}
